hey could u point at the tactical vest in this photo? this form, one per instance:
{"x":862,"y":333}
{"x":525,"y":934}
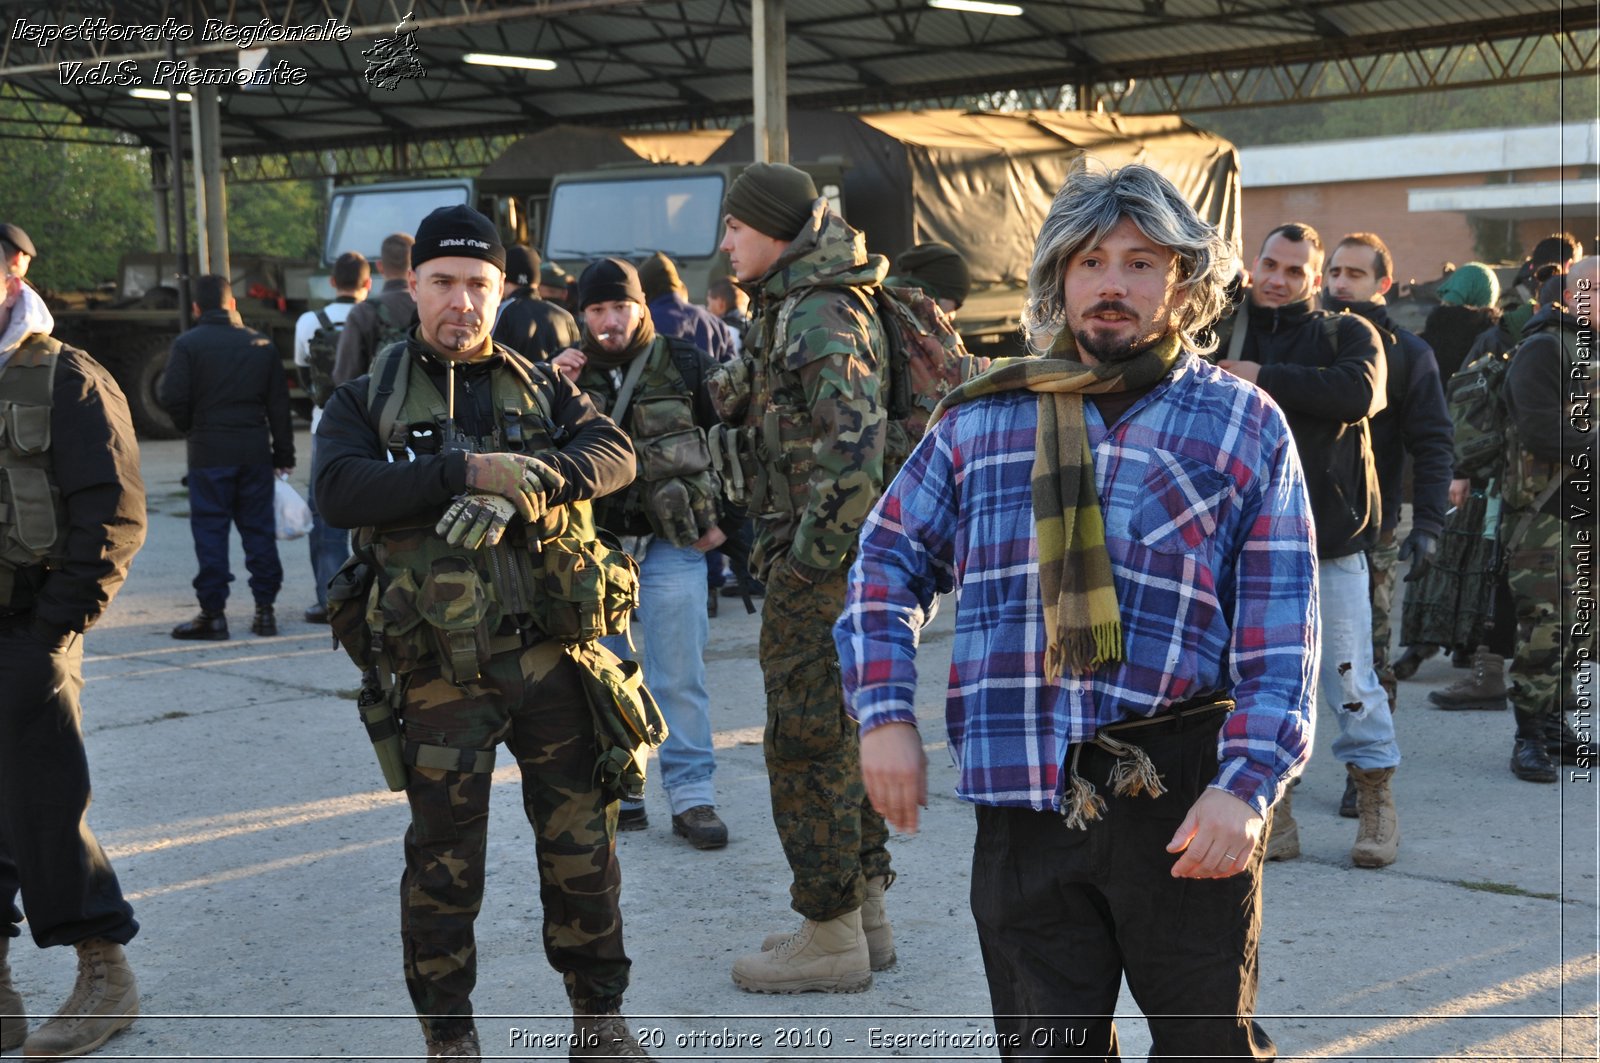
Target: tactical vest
{"x":1529,"y":482}
{"x":33,"y":519}
{"x":433,"y":603}
{"x":766,"y":462}
{"x":675,"y":494}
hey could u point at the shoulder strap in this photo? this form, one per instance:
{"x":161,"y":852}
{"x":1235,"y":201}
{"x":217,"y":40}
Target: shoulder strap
{"x":386,"y":388}
{"x":325,"y":320}
{"x":1241,"y":327}
{"x":35,"y":361}
{"x":686,"y":356}
{"x":619,"y":409}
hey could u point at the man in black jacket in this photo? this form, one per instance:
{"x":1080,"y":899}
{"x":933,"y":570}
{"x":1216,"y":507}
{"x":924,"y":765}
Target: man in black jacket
{"x":1415,"y":422}
{"x":226,"y":390}
{"x":529,"y":325}
{"x":76,"y":518}
{"x":1328,"y":373}
{"x":525,"y":445}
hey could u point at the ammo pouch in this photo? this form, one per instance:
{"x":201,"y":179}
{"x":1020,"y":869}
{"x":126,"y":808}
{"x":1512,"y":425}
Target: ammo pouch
{"x":349,"y":606}
{"x":446,"y":620}
{"x":627,"y":722}
{"x":591,"y":588}
{"x":681,"y":510}
{"x":785,"y":457}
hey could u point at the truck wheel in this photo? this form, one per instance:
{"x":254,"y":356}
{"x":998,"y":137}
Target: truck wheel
{"x":145,"y":368}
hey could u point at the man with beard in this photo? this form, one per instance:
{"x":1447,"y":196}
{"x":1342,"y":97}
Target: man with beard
{"x":1327,"y":372}
{"x":655,"y":387}
{"x":1415,"y":422}
{"x":467,"y":472}
{"x":1135,"y":639}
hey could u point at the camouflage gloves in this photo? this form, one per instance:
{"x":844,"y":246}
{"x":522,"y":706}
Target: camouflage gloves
{"x":475,"y":519}
{"x":526,"y":482}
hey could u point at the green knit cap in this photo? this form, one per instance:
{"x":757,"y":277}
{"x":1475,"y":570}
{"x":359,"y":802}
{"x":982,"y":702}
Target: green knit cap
{"x":938,"y":267}
{"x":772,"y":198}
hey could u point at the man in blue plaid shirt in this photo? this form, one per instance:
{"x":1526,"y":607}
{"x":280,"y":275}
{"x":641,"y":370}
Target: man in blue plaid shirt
{"x":1128,"y":532}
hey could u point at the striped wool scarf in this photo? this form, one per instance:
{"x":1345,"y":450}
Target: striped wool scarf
{"x":1082,"y":621}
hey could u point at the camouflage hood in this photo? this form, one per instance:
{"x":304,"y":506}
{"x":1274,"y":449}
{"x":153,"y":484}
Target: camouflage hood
{"x":828,"y":253}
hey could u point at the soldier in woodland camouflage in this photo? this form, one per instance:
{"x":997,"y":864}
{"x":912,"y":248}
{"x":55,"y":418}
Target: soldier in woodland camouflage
{"x":467,"y":519}
{"x":806,"y":402}
{"x":1550,"y":382}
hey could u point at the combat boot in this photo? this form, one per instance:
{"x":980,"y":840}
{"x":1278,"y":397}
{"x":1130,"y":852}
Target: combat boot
{"x":1348,"y":802}
{"x":1283,"y":834}
{"x":826,"y":957}
{"x":874,"y":924}
{"x":13,"y":1016}
{"x":1484,"y":688}
{"x":1530,"y":756}
{"x":603,"y":1035}
{"x":463,"y":1045}
{"x":1563,"y":742}
{"x":1378,"y":827}
{"x":211,"y":627}
{"x":265,"y":623}
{"x":104,"y":999}
{"x":1412,"y":659}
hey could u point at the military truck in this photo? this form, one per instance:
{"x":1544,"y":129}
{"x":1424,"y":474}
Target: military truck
{"x":981,"y":182}
{"x":129,"y":328}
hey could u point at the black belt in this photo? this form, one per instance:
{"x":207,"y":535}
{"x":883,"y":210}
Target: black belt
{"x":1180,"y":717}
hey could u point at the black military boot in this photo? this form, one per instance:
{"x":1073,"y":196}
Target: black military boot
{"x":1348,"y":807}
{"x":1530,"y":760}
{"x":210,"y":626}
{"x":1412,"y":659}
{"x":1562,"y":742}
{"x":265,"y":623}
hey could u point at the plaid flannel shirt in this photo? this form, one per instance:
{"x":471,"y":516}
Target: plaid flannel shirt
{"x":1209,"y":530}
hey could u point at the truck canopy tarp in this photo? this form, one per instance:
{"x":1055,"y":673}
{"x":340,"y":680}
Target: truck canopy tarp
{"x":983,"y":182}
{"x":569,"y":148}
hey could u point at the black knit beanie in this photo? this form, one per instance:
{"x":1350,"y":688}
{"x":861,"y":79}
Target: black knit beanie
{"x":940,"y":267}
{"x":772,"y":198}
{"x":608,"y":280}
{"x":522,"y":265}
{"x":457,"y":232}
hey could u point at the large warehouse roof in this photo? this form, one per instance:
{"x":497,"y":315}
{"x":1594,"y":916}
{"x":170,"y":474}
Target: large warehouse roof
{"x":686,"y":62}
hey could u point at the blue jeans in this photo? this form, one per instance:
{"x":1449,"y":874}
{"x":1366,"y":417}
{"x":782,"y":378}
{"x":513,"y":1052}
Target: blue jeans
{"x":223,"y":496}
{"x":329,"y":546}
{"x":1347,"y":683}
{"x":671,"y":628}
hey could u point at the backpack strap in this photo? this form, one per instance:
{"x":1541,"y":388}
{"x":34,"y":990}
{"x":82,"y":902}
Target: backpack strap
{"x":325,"y":321}
{"x":386,"y":389}
{"x":1241,"y":328}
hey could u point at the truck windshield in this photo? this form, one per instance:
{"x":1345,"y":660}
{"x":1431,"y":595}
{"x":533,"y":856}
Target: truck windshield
{"x":360,"y":219}
{"x":679,"y":215}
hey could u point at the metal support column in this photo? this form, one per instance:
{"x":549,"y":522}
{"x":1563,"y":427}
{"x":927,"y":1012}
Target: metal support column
{"x":160,"y":185}
{"x":210,"y":101}
{"x":769,"y":40}
{"x":202,"y":259}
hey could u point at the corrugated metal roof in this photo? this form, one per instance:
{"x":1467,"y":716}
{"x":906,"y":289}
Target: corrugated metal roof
{"x":638,"y":61}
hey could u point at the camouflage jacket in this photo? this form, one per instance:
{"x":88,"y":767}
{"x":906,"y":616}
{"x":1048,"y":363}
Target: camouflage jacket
{"x":818,"y":386}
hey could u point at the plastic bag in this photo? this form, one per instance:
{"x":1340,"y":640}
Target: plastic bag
{"x":292,"y":513}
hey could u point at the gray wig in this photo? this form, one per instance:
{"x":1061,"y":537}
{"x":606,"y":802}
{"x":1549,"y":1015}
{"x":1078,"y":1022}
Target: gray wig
{"x":1088,"y":206}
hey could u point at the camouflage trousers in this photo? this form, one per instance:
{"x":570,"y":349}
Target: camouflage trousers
{"x":1541,"y":573}
{"x":833,"y":838}
{"x":1381,"y":562}
{"x":533,"y":701}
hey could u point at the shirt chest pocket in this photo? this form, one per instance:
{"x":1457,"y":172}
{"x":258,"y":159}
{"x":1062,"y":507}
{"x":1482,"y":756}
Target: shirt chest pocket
{"x":1182,"y":502}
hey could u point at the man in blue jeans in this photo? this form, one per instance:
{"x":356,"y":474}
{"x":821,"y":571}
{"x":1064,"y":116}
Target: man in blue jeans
{"x":653,"y":386}
{"x":1329,"y":374}
{"x":225,"y":388}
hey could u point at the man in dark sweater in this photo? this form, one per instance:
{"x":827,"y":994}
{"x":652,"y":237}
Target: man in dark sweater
{"x":384,"y":317}
{"x":75,"y":518}
{"x":226,"y":390}
{"x":1416,"y":422}
{"x":1329,"y":374}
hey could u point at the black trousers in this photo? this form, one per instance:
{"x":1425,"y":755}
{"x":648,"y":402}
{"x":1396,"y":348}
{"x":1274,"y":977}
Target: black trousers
{"x":1063,"y":915}
{"x":47,"y":851}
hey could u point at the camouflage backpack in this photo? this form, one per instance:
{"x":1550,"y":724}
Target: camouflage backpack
{"x":324,"y":347}
{"x":927,"y":360}
{"x":1478,"y":414}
